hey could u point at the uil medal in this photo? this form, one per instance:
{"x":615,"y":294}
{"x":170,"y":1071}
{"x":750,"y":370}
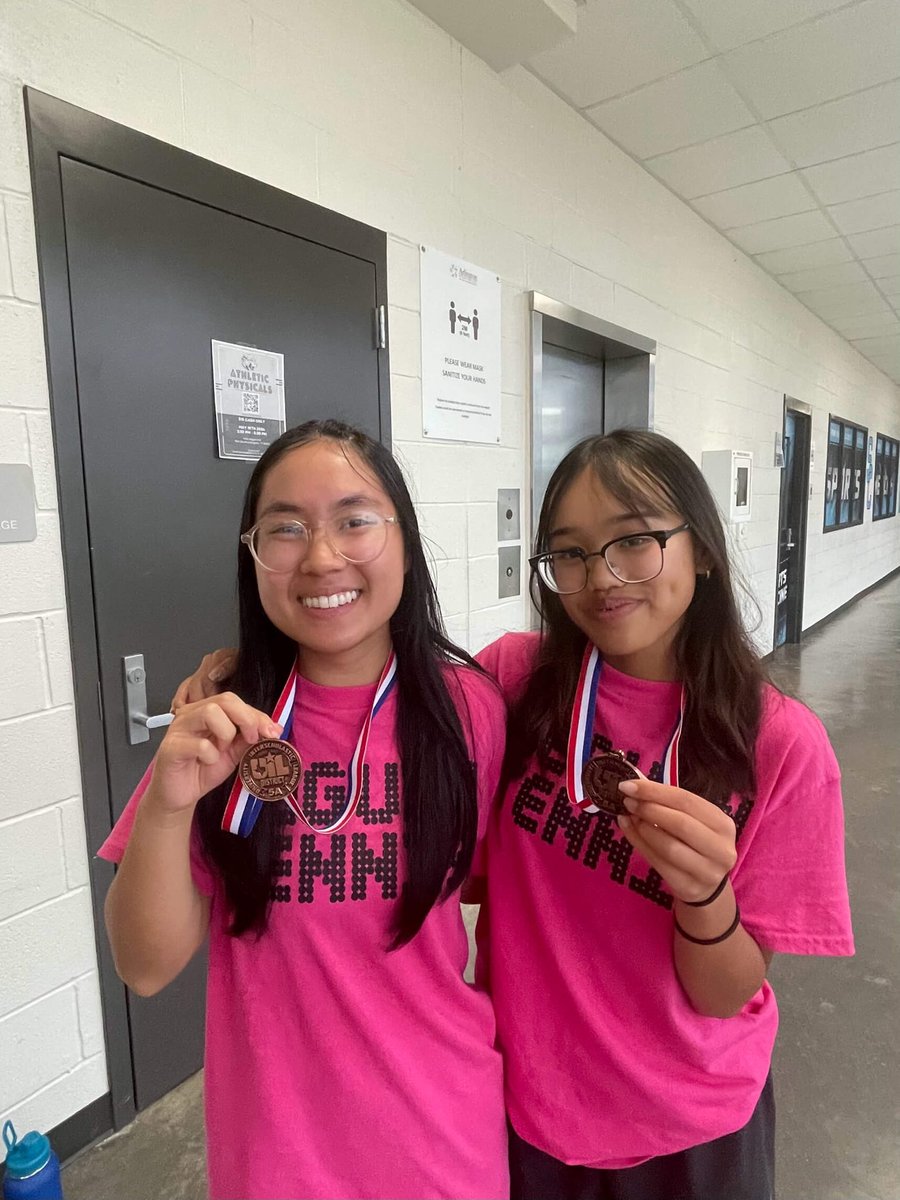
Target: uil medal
{"x":593,"y":783}
{"x":270,"y":769}
{"x":601,"y":778}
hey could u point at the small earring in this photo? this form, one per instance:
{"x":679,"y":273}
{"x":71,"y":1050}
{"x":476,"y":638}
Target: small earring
{"x":708,"y":572}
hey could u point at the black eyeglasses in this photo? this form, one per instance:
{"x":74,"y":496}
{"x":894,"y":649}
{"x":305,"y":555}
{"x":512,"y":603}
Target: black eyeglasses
{"x":632,"y":558}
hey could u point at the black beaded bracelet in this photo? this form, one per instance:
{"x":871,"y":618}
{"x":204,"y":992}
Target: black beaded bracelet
{"x":709,"y":899}
{"x":689,"y":937}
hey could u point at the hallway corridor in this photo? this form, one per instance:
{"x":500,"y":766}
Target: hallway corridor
{"x":836,"y":1066}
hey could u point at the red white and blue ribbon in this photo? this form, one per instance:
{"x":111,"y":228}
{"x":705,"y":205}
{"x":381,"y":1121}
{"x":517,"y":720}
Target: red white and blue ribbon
{"x":383,"y":689}
{"x":243,"y":809}
{"x":581,"y":729}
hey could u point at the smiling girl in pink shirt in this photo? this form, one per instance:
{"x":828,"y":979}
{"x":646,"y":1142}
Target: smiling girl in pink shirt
{"x":346,"y":1057}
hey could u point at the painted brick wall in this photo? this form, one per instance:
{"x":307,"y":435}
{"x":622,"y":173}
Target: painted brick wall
{"x":365,"y":107}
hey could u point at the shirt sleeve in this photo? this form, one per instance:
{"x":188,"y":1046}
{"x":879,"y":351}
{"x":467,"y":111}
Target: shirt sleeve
{"x":113,"y":849}
{"x":489,"y":658}
{"x":790,"y":879}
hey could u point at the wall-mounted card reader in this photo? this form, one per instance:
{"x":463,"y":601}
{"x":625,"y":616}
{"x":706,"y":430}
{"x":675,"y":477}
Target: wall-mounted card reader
{"x":508,"y":515}
{"x":510,"y":571}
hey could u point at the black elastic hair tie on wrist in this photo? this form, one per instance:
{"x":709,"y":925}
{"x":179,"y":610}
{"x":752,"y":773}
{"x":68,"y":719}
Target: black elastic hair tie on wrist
{"x":709,"y":899}
{"x":689,"y":937}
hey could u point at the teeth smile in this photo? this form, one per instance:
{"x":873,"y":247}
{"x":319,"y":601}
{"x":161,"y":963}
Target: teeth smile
{"x":337,"y":600}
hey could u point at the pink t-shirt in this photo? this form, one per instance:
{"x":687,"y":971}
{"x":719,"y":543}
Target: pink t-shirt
{"x":607,"y":1063}
{"x":334,"y":1068}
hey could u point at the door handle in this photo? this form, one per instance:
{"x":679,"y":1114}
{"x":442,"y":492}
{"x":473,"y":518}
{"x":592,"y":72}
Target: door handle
{"x":157,"y":722}
{"x":134,"y":681}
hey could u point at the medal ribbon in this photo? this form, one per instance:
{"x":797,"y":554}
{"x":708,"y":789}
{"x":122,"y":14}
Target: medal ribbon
{"x":243,"y":808}
{"x":581,"y":729}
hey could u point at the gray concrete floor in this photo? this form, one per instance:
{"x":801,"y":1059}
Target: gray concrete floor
{"x":836,"y":1067}
{"x":836,"y":1062}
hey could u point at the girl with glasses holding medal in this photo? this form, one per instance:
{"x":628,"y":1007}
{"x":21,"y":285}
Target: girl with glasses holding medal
{"x":316,"y":822}
{"x":669,"y":821}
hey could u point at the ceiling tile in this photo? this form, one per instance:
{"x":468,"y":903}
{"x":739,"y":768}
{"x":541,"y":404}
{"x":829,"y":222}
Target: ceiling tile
{"x":800,"y":258}
{"x":854,"y":300}
{"x":692,"y":106}
{"x":835,"y":297}
{"x":878,"y":268}
{"x":760,"y":201}
{"x":730,"y":25}
{"x":782,"y":232}
{"x":874,"y":212}
{"x":592,"y":66}
{"x":723,"y":162}
{"x":883,"y":345}
{"x":823,"y":277}
{"x":847,"y":126}
{"x":857,"y":175}
{"x":890,"y":286}
{"x":876,"y":242}
{"x":871,"y":326}
{"x":840,"y":53}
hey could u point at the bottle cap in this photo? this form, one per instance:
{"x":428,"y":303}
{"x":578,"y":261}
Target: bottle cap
{"x":27,"y":1155}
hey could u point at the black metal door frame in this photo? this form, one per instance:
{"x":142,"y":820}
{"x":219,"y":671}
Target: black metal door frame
{"x":802,"y":413}
{"x":58,"y":130}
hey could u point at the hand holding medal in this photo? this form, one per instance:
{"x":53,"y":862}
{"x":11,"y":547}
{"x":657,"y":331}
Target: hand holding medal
{"x":202,"y":747}
{"x":689,"y":841}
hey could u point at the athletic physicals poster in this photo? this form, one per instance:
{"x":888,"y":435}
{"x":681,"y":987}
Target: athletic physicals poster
{"x":248,"y":393}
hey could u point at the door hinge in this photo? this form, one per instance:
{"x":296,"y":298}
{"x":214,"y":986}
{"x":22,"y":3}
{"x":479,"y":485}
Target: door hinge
{"x":380,"y":327}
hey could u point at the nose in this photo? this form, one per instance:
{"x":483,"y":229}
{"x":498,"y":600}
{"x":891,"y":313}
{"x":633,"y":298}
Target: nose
{"x":320,"y":558}
{"x":600,"y":577}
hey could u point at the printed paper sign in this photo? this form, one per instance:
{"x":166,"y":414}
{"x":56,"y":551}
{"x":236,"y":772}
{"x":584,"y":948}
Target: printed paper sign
{"x":460,"y":349}
{"x":248,"y":390}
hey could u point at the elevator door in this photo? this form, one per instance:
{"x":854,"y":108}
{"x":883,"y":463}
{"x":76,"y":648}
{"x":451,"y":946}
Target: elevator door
{"x":570,"y":408}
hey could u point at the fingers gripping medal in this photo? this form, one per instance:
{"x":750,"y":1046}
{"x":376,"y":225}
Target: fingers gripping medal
{"x":271,"y":769}
{"x":601,"y":778}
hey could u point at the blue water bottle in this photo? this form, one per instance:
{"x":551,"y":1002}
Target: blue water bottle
{"x":32,"y":1168}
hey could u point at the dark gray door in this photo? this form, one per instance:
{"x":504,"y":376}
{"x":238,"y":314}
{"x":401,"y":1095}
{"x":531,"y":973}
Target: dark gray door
{"x":154,"y":277}
{"x":792,"y":528}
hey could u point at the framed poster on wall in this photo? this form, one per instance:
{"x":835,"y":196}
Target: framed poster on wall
{"x":460,"y":306}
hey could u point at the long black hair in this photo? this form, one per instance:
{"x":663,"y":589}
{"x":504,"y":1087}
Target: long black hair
{"x":715,"y":657}
{"x":440,"y":811}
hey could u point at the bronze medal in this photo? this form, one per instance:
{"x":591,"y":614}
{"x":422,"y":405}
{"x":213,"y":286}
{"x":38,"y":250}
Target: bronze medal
{"x":601,"y":778}
{"x":270,"y":769}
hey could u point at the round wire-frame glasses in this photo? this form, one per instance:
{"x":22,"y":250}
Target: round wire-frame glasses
{"x":280,"y":545}
{"x":632,"y":558}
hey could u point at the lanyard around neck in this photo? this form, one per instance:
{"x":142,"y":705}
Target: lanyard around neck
{"x":243,"y":808}
{"x":581,"y":728}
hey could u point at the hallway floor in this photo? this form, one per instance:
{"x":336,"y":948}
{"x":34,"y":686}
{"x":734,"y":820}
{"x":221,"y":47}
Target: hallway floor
{"x":836,"y":1067}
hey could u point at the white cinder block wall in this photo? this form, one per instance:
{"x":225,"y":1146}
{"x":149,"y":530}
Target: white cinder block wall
{"x":365,"y":107}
